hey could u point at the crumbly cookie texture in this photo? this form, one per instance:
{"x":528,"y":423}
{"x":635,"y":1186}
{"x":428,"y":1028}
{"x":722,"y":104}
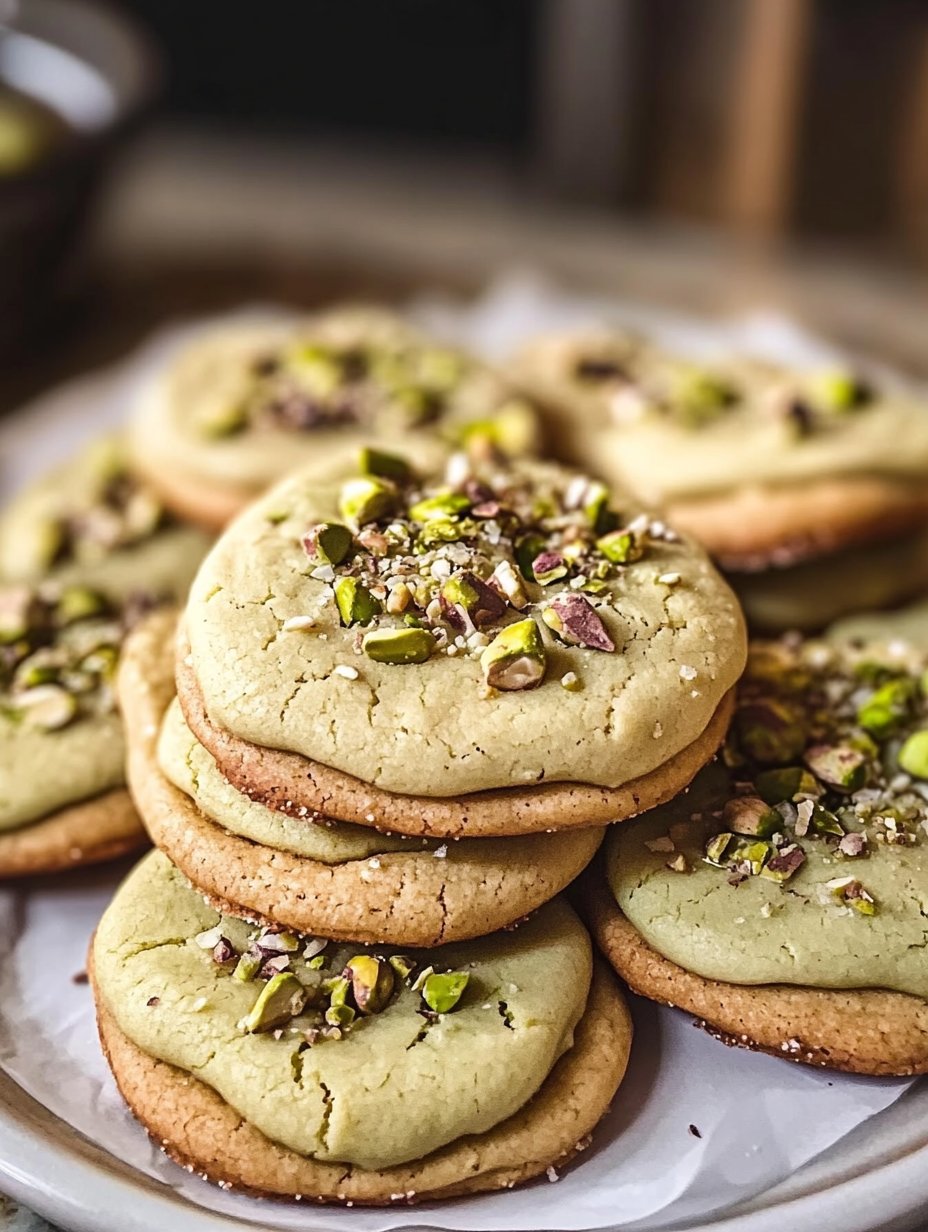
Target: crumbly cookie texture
{"x":92,"y":523}
{"x":313,"y":874}
{"x":674,"y":430}
{"x":245,"y":404}
{"x":59,"y":647}
{"x":500,"y":626}
{"x":802,"y":857}
{"x":327,"y":1049}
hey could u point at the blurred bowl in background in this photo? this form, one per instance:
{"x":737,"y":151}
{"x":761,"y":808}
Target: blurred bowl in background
{"x":75,"y":75}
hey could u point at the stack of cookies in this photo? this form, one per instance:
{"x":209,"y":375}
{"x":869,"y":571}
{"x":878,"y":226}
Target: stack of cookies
{"x":83,"y":552}
{"x":808,"y":488}
{"x":392,"y":722}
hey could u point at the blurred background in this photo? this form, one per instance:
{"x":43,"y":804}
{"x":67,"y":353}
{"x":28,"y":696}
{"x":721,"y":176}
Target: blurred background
{"x":162,"y":157}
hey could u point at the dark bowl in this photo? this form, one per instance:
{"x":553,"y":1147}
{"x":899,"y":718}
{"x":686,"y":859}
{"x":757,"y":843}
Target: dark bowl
{"x":93,"y":69}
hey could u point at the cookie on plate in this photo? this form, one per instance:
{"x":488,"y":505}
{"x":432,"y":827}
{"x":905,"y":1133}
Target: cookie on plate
{"x":63,"y":801}
{"x":494,"y":650}
{"x":248,"y":402}
{"x":91,"y":523}
{"x":292,"y":1068}
{"x":768,"y":468}
{"x":897,"y":630}
{"x":782,"y":900}
{"x":317,"y":876}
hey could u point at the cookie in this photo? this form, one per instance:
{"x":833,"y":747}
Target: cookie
{"x":511,"y":1072}
{"x":903,"y":628}
{"x":91,"y":523}
{"x":588,"y":668}
{"x":248,"y":402}
{"x":331,"y":879}
{"x":60,"y":647}
{"x":792,"y":880}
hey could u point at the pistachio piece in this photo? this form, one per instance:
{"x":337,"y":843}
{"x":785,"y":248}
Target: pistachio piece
{"x":221,"y":421}
{"x":716,"y":847}
{"x":356,"y":605}
{"x":839,"y":765}
{"x":887,"y":708}
{"x":784,"y":863}
{"x":366,"y":499}
{"x":36,"y":670}
{"x":17,"y":609}
{"x":47,"y":707}
{"x":340,"y":1016}
{"x":575,"y":621}
{"x":372,"y":982}
{"x":790,"y":783}
{"x":526,"y":549}
{"x":699,"y":396}
{"x":78,"y":603}
{"x":330,"y":542}
{"x":441,"y":993}
{"x":621,"y":547}
{"x":508,"y":581}
{"x":548,"y":567}
{"x":385,"y":465}
{"x":770,"y":731}
{"x":515,"y":659}
{"x":398,"y":646}
{"x":445,"y":530}
{"x":750,"y":815}
{"x":445,"y":506}
{"x":282,"y":998}
{"x":823,"y":821}
{"x":142,"y":513}
{"x":849,"y":892}
{"x":751,"y":855}
{"x":41,"y":544}
{"x":247,"y":967}
{"x":838,"y":391}
{"x":913,"y":756}
{"x":402,"y":965}
{"x":596,"y":509}
{"x":512,"y":430}
{"x":467,"y":591}
{"x":315,"y":367}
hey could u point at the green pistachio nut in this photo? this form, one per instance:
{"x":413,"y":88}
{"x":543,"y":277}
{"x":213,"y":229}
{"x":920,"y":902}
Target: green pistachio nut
{"x":39,"y":544}
{"x":913,"y":756}
{"x":356,"y":605}
{"x":36,"y":670}
{"x":698,"y":396}
{"x":526,"y":550}
{"x":341,"y":1016}
{"x":402,"y":965}
{"x":283,"y":997}
{"x":750,"y":815}
{"x":143,"y":513}
{"x":464,"y":590}
{"x":446,"y":506}
{"x":549,"y":567}
{"x":398,"y":646}
{"x":887,"y":707}
{"x":790,"y":783}
{"x":247,"y":968}
{"x":770,"y":731}
{"x":222,"y":421}
{"x":839,"y":765}
{"x":331,"y":542}
{"x":445,"y":530}
{"x":385,"y":465}
{"x":574,"y":620}
{"x":372,"y":981}
{"x":366,"y":499}
{"x":716,"y":848}
{"x":315,"y":368}
{"x":516,"y":658}
{"x":596,"y":509}
{"x":621,"y":547}
{"x":47,"y":707}
{"x":78,"y":603}
{"x":823,"y":821}
{"x":837,"y":391}
{"x":753,"y":853}
{"x":442,"y":993}
{"x":17,"y":610}
{"x":784,"y":863}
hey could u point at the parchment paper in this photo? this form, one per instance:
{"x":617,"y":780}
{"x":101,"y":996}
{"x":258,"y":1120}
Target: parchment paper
{"x":696,"y":1127}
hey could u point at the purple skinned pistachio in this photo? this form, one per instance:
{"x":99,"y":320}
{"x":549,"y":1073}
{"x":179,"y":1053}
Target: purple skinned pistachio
{"x":574,"y":619}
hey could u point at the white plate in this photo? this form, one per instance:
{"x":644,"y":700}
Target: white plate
{"x":875,"y":1178}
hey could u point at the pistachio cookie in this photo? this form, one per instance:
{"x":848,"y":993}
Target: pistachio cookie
{"x":331,"y":878}
{"x":62,"y":796}
{"x":244,"y":405}
{"x":782,"y":900}
{"x":767,"y":467}
{"x":492,"y":651}
{"x":91,"y":523}
{"x":290,"y":1066}
{"x":898,"y":631}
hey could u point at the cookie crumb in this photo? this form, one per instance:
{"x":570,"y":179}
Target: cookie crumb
{"x":346,"y":670}
{"x":440,"y":852}
{"x":80,"y":977}
{"x":551,"y":1173}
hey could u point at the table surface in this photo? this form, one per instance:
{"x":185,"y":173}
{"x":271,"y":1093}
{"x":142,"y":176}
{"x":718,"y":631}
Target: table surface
{"x":198,"y":222}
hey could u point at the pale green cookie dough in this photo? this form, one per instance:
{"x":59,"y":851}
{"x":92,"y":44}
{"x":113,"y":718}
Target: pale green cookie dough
{"x":810,"y":595}
{"x":674,"y":430}
{"x":190,"y":767}
{"x":248,"y":402}
{"x":276,"y":667}
{"x":88,"y":522}
{"x":831,"y":891}
{"x":61,"y":740}
{"x":397,"y":1086}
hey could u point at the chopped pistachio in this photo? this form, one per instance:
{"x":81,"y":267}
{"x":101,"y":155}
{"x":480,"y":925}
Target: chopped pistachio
{"x":575,"y":621}
{"x":716,"y":847}
{"x":596,"y":509}
{"x":840,"y":765}
{"x":385,"y":465}
{"x":465,"y":590}
{"x":526,"y":549}
{"x":699,"y":396}
{"x":850,"y":892}
{"x":913,"y":756}
{"x":356,"y":605}
{"x":509,"y":582}
{"x":402,"y":965}
{"x":442,"y":993}
{"x":282,"y":998}
{"x":784,"y":863}
{"x":78,"y":603}
{"x":247,"y":967}
{"x":398,"y":646}
{"x":366,"y":500}
{"x":752,"y":816}
{"x":838,"y":391}
{"x":316,"y":368}
{"x":142,"y":513}
{"x":223,"y":421}
{"x":339,"y":1015}
{"x":770,"y":731}
{"x":887,"y":708}
{"x":17,"y":605}
{"x":823,"y":821}
{"x":789,"y":783}
{"x":330,"y":542}
{"x":443,"y":507}
{"x":47,"y":707}
{"x":548,"y":567}
{"x":621,"y":546}
{"x":371,"y":982}
{"x":516,"y":658}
